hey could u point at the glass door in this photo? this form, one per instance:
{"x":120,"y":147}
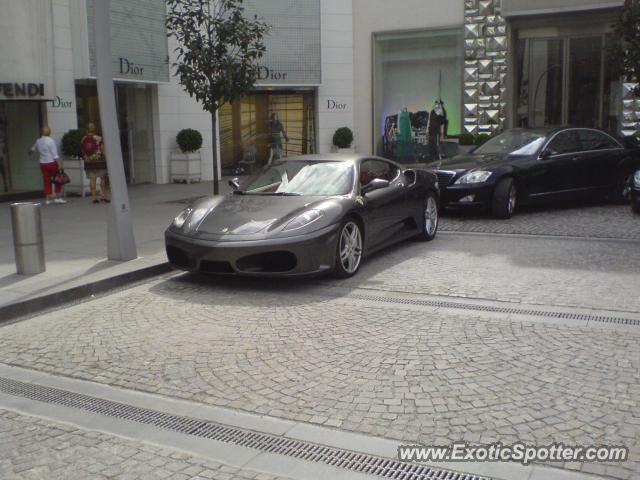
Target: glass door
{"x":563,"y":80}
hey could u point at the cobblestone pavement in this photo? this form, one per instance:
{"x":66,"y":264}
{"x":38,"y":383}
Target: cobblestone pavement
{"x":396,"y":372}
{"x":549,"y":271}
{"x":33,"y":448}
{"x":596,"y":221}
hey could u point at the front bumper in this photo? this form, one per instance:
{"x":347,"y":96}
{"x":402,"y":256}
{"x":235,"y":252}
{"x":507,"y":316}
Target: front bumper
{"x":309,"y":254}
{"x":466,"y":196}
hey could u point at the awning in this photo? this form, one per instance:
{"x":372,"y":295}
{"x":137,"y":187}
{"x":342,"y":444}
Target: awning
{"x":514,"y":8}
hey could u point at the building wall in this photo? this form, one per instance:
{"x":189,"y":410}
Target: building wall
{"x":61,"y":111}
{"x":371,"y":16}
{"x":336,"y":94}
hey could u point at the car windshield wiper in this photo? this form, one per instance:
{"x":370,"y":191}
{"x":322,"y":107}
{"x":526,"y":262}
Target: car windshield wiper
{"x":284,"y":194}
{"x":239,"y":192}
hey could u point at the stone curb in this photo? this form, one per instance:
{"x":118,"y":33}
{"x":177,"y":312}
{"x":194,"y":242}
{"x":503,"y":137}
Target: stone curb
{"x":56,"y":299}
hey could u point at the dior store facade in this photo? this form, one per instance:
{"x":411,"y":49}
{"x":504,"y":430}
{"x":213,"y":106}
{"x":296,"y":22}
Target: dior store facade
{"x":493,"y":63}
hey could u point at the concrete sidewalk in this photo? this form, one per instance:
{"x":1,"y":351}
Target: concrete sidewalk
{"x":75,"y":237}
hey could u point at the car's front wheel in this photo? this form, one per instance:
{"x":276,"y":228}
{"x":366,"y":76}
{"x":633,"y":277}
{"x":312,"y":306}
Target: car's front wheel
{"x":622,"y":190}
{"x":505,"y":196}
{"x":430,"y":219}
{"x":635,"y":207}
{"x":349,"y":249}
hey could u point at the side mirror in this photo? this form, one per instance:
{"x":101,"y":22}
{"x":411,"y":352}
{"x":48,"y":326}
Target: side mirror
{"x":546,"y":154}
{"x":375,"y":184}
{"x":234,"y":184}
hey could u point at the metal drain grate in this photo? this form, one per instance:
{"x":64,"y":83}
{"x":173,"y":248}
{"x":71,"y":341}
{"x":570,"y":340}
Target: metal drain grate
{"x":356,"y":462}
{"x":498,"y":309}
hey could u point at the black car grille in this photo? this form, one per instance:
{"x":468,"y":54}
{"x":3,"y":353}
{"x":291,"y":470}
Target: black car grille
{"x":178,"y":257}
{"x":444,"y":177}
{"x":268,"y":262}
{"x":212,"y":266}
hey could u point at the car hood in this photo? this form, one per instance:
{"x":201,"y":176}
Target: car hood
{"x":469,"y":161}
{"x":251,"y":214}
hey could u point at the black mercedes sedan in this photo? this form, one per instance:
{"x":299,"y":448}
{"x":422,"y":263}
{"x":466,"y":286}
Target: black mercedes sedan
{"x":635,"y":192}
{"x":304,"y":216}
{"x":530,"y":166}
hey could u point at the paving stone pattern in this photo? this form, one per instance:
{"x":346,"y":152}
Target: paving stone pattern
{"x":595,"y":221}
{"x":393,"y":372}
{"x":34,"y":448}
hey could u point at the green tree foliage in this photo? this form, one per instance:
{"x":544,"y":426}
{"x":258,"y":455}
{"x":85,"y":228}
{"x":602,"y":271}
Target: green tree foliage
{"x":218,"y":49}
{"x":624,"y":49}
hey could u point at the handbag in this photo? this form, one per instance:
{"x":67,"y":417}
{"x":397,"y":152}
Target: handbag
{"x":60,"y":178}
{"x":96,"y":162}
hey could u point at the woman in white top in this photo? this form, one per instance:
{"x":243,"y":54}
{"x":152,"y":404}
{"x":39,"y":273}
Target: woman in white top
{"x":48,"y":152}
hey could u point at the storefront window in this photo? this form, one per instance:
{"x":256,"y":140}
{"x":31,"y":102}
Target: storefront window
{"x":411,"y":71}
{"x":264,"y":126}
{"x":19,"y":129}
{"x":564,"y":80}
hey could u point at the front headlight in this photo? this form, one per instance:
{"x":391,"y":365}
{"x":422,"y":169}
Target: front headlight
{"x":636,"y":179}
{"x":190,"y":217}
{"x":178,"y":222}
{"x":303,"y":219}
{"x":477,"y":176}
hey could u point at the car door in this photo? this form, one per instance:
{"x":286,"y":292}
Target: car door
{"x":384,"y":206}
{"x":601,"y":155}
{"x":554,"y":174}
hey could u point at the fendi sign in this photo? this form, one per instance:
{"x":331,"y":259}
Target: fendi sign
{"x":22,"y":90}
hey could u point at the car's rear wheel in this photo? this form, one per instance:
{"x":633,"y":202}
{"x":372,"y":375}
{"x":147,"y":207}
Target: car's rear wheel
{"x":349,"y":249}
{"x":505,"y":197}
{"x":635,"y":207}
{"x":622,"y":188}
{"x":430,"y":219}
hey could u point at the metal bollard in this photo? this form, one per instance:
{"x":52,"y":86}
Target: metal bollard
{"x":28,"y":243}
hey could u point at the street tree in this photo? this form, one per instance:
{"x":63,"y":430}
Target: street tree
{"x":217,"y":54}
{"x":624,"y":49}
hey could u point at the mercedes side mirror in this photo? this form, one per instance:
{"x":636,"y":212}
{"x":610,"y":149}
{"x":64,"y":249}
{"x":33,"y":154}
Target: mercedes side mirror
{"x":375,"y":184}
{"x":234,"y":184}
{"x":546,"y":154}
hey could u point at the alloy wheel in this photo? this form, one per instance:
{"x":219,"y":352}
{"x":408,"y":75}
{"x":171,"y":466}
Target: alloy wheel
{"x":513,"y":195}
{"x":431,"y":216}
{"x":350,"y":247}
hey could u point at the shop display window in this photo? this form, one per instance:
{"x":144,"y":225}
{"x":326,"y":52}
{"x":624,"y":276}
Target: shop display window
{"x":411,"y":71}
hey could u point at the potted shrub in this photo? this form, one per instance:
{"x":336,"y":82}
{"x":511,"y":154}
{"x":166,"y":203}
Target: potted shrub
{"x":73,"y":163}
{"x":342,"y":140}
{"x":186,"y":165}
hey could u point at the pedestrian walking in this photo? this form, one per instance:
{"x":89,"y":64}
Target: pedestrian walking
{"x":95,"y":165}
{"x":276,"y":132}
{"x":49,"y":166}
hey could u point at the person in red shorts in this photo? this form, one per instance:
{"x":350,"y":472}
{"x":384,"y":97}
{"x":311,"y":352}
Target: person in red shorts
{"x":48,"y":153}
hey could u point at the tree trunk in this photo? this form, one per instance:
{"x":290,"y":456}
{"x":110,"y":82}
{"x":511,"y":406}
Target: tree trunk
{"x":214,"y":148}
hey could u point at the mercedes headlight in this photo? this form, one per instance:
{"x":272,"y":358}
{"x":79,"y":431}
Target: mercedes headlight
{"x":636,"y":179}
{"x":178,"y":222}
{"x":303,"y":219}
{"x":477,"y":176}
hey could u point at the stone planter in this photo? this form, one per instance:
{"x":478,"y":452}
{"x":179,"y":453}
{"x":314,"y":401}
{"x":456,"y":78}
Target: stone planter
{"x":186,"y":167}
{"x":79,"y":184}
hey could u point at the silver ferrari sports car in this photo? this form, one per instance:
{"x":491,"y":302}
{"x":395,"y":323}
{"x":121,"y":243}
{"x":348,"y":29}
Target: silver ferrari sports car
{"x":306,"y":215}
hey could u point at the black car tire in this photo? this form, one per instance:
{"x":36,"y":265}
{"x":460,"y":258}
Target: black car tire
{"x":428,"y":230}
{"x":339,"y":269}
{"x":503,"y":203}
{"x":623,"y":182}
{"x":635,"y":207}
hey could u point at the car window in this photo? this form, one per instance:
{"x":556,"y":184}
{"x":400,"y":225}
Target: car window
{"x":594,"y":140}
{"x":371,"y":169}
{"x":565,"y":142}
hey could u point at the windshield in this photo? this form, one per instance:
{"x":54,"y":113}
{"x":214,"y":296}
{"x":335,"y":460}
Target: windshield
{"x":513,"y":142}
{"x":302,"y":178}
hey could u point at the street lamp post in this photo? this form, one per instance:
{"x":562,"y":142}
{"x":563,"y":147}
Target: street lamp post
{"x":121,"y":244}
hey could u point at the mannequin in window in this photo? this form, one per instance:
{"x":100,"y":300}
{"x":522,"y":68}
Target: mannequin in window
{"x":403,"y":135}
{"x":437,"y":128}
